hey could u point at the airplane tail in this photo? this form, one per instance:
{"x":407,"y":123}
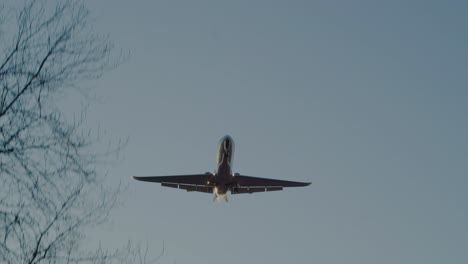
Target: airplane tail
{"x":217,"y":198}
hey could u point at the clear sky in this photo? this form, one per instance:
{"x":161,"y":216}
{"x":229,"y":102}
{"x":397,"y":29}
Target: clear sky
{"x":366,"y":99}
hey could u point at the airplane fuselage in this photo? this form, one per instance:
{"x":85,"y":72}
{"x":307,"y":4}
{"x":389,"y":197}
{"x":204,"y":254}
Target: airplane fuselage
{"x":223,"y":177}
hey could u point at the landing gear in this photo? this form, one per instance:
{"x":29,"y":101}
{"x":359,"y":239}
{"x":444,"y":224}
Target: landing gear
{"x":234,"y":188}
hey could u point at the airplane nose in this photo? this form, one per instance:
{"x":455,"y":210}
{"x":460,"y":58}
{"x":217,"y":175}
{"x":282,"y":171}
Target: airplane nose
{"x":226,"y":141}
{"x":227,"y":144}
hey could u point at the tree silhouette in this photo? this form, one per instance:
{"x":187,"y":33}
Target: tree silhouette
{"x":50,"y":191}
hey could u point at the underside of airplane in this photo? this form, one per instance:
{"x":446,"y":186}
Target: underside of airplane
{"x":222,"y":180}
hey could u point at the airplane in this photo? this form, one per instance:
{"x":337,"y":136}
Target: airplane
{"x":222,"y":180}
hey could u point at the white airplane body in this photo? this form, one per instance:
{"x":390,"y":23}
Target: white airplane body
{"x":222,"y":180}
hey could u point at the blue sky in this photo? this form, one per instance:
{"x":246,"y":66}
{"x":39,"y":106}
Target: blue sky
{"x":367,"y":100}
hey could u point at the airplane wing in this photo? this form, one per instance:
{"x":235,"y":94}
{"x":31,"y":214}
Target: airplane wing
{"x":199,"y":183}
{"x":249,"y":184}
{"x":190,"y":183}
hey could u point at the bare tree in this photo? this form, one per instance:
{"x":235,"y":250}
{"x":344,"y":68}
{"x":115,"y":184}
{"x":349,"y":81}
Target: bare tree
{"x":50,"y":191}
